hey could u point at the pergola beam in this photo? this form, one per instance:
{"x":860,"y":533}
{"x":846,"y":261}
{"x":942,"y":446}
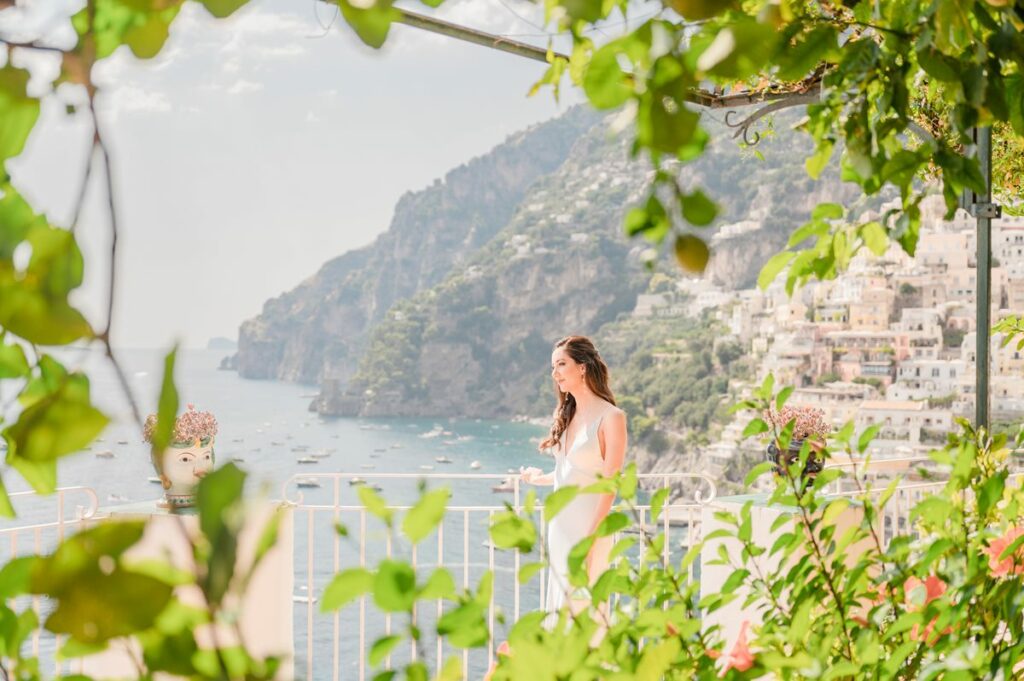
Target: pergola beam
{"x":711,"y":100}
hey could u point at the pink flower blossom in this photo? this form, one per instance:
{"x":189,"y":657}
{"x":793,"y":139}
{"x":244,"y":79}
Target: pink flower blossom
{"x":740,"y":658}
{"x":1013,"y":563}
{"x":808,"y":422}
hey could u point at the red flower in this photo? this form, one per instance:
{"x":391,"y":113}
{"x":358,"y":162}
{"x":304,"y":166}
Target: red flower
{"x":740,"y":658}
{"x":933,"y":589}
{"x":1013,"y":563}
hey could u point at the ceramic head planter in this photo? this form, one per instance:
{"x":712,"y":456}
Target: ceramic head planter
{"x":187,"y":458}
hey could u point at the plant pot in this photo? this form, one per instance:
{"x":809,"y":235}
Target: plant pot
{"x":181,"y":466}
{"x":815,"y":462}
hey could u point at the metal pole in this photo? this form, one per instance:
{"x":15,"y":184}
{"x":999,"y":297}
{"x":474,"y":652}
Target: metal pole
{"x":984,"y":211}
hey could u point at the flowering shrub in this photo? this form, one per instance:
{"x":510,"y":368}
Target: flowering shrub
{"x":808,"y":422}
{"x":192,"y":426}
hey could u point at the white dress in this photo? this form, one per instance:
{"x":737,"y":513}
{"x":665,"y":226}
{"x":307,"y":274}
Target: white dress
{"x":579,"y":466}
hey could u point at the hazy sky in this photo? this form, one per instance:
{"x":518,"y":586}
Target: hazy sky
{"x":256,"y":148}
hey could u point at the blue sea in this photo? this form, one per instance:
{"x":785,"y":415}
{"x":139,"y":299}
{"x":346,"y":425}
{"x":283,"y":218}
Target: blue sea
{"x":266,"y":428}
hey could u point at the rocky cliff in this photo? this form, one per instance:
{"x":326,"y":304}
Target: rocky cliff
{"x":318,"y":330}
{"x":453,"y":311}
{"x":478,"y":344}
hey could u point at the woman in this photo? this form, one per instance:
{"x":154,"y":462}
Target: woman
{"x":588,"y":437}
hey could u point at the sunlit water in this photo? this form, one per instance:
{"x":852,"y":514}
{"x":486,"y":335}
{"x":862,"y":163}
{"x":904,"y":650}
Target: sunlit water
{"x":266,"y":427}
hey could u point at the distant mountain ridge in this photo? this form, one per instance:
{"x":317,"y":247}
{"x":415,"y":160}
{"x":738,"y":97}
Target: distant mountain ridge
{"x":452,"y":313}
{"x":318,"y":329}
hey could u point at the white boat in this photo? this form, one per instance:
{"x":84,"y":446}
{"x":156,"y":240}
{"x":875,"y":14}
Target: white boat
{"x":307,"y":482}
{"x":435,"y":432}
{"x":504,"y":486}
{"x":356,"y":481}
{"x":104,"y":454}
{"x":320,"y":454}
{"x":307,"y":459}
{"x":476,"y":465}
{"x":427,"y":467}
{"x":395,"y":445}
{"x":155,"y":480}
{"x":117,"y":498}
{"x":276,"y":443}
{"x":122,"y":442}
{"x":442,"y":459}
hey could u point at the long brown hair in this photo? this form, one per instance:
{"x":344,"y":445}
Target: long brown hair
{"x":582,"y":351}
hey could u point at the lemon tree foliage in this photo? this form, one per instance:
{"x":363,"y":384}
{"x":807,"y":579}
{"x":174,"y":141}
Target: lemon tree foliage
{"x":893,"y":87}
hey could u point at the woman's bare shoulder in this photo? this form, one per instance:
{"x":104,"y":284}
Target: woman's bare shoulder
{"x":614,"y":415}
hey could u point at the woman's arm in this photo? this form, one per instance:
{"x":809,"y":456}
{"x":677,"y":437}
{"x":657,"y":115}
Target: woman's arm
{"x":613,"y":451}
{"x":535,"y":476}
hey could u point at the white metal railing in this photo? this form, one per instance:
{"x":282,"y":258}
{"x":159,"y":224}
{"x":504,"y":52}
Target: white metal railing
{"x":335,"y":646}
{"x":461,"y":544}
{"x":48,"y":519}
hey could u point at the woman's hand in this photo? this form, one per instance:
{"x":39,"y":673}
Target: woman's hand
{"x":530,"y":475}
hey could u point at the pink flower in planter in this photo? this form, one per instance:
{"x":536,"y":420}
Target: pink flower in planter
{"x":1013,"y":563}
{"x":740,"y":658}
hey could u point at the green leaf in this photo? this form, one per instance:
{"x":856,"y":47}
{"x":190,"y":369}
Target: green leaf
{"x":528,"y":571}
{"x":818,"y":161}
{"x":691,"y":253}
{"x":783,"y":396}
{"x":346,"y":586}
{"x":817,"y":45}
{"x":755,"y":427}
{"x":698,"y":209}
{"x":56,"y":425}
{"x":13,"y":363}
{"x":15,"y":576}
{"x":439,"y":585}
{"x":558,"y":500}
{"x":937,"y":65}
{"x":656,"y":659}
{"x":833,"y":511}
{"x":381,"y":648}
{"x":222,"y":8}
{"x":18,"y":111}
{"x":6,"y":507}
{"x":612,"y":523}
{"x":465,"y":626}
{"x":375,"y":504}
{"x":874,"y":237}
{"x":772,"y":268}
{"x":756,"y":472}
{"x":739,"y":50}
{"x":511,"y":531}
{"x":146,"y":39}
{"x":98,"y":606}
{"x":394,"y":588}
{"x":658,"y":503}
{"x":218,"y":498}
{"x":866,"y":437}
{"x":167,"y":406}
{"x":827,"y":211}
{"x":428,"y":512}
{"x":698,"y":10}
{"x":604,"y":83}
{"x":371,"y":24}
{"x":583,"y":10}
